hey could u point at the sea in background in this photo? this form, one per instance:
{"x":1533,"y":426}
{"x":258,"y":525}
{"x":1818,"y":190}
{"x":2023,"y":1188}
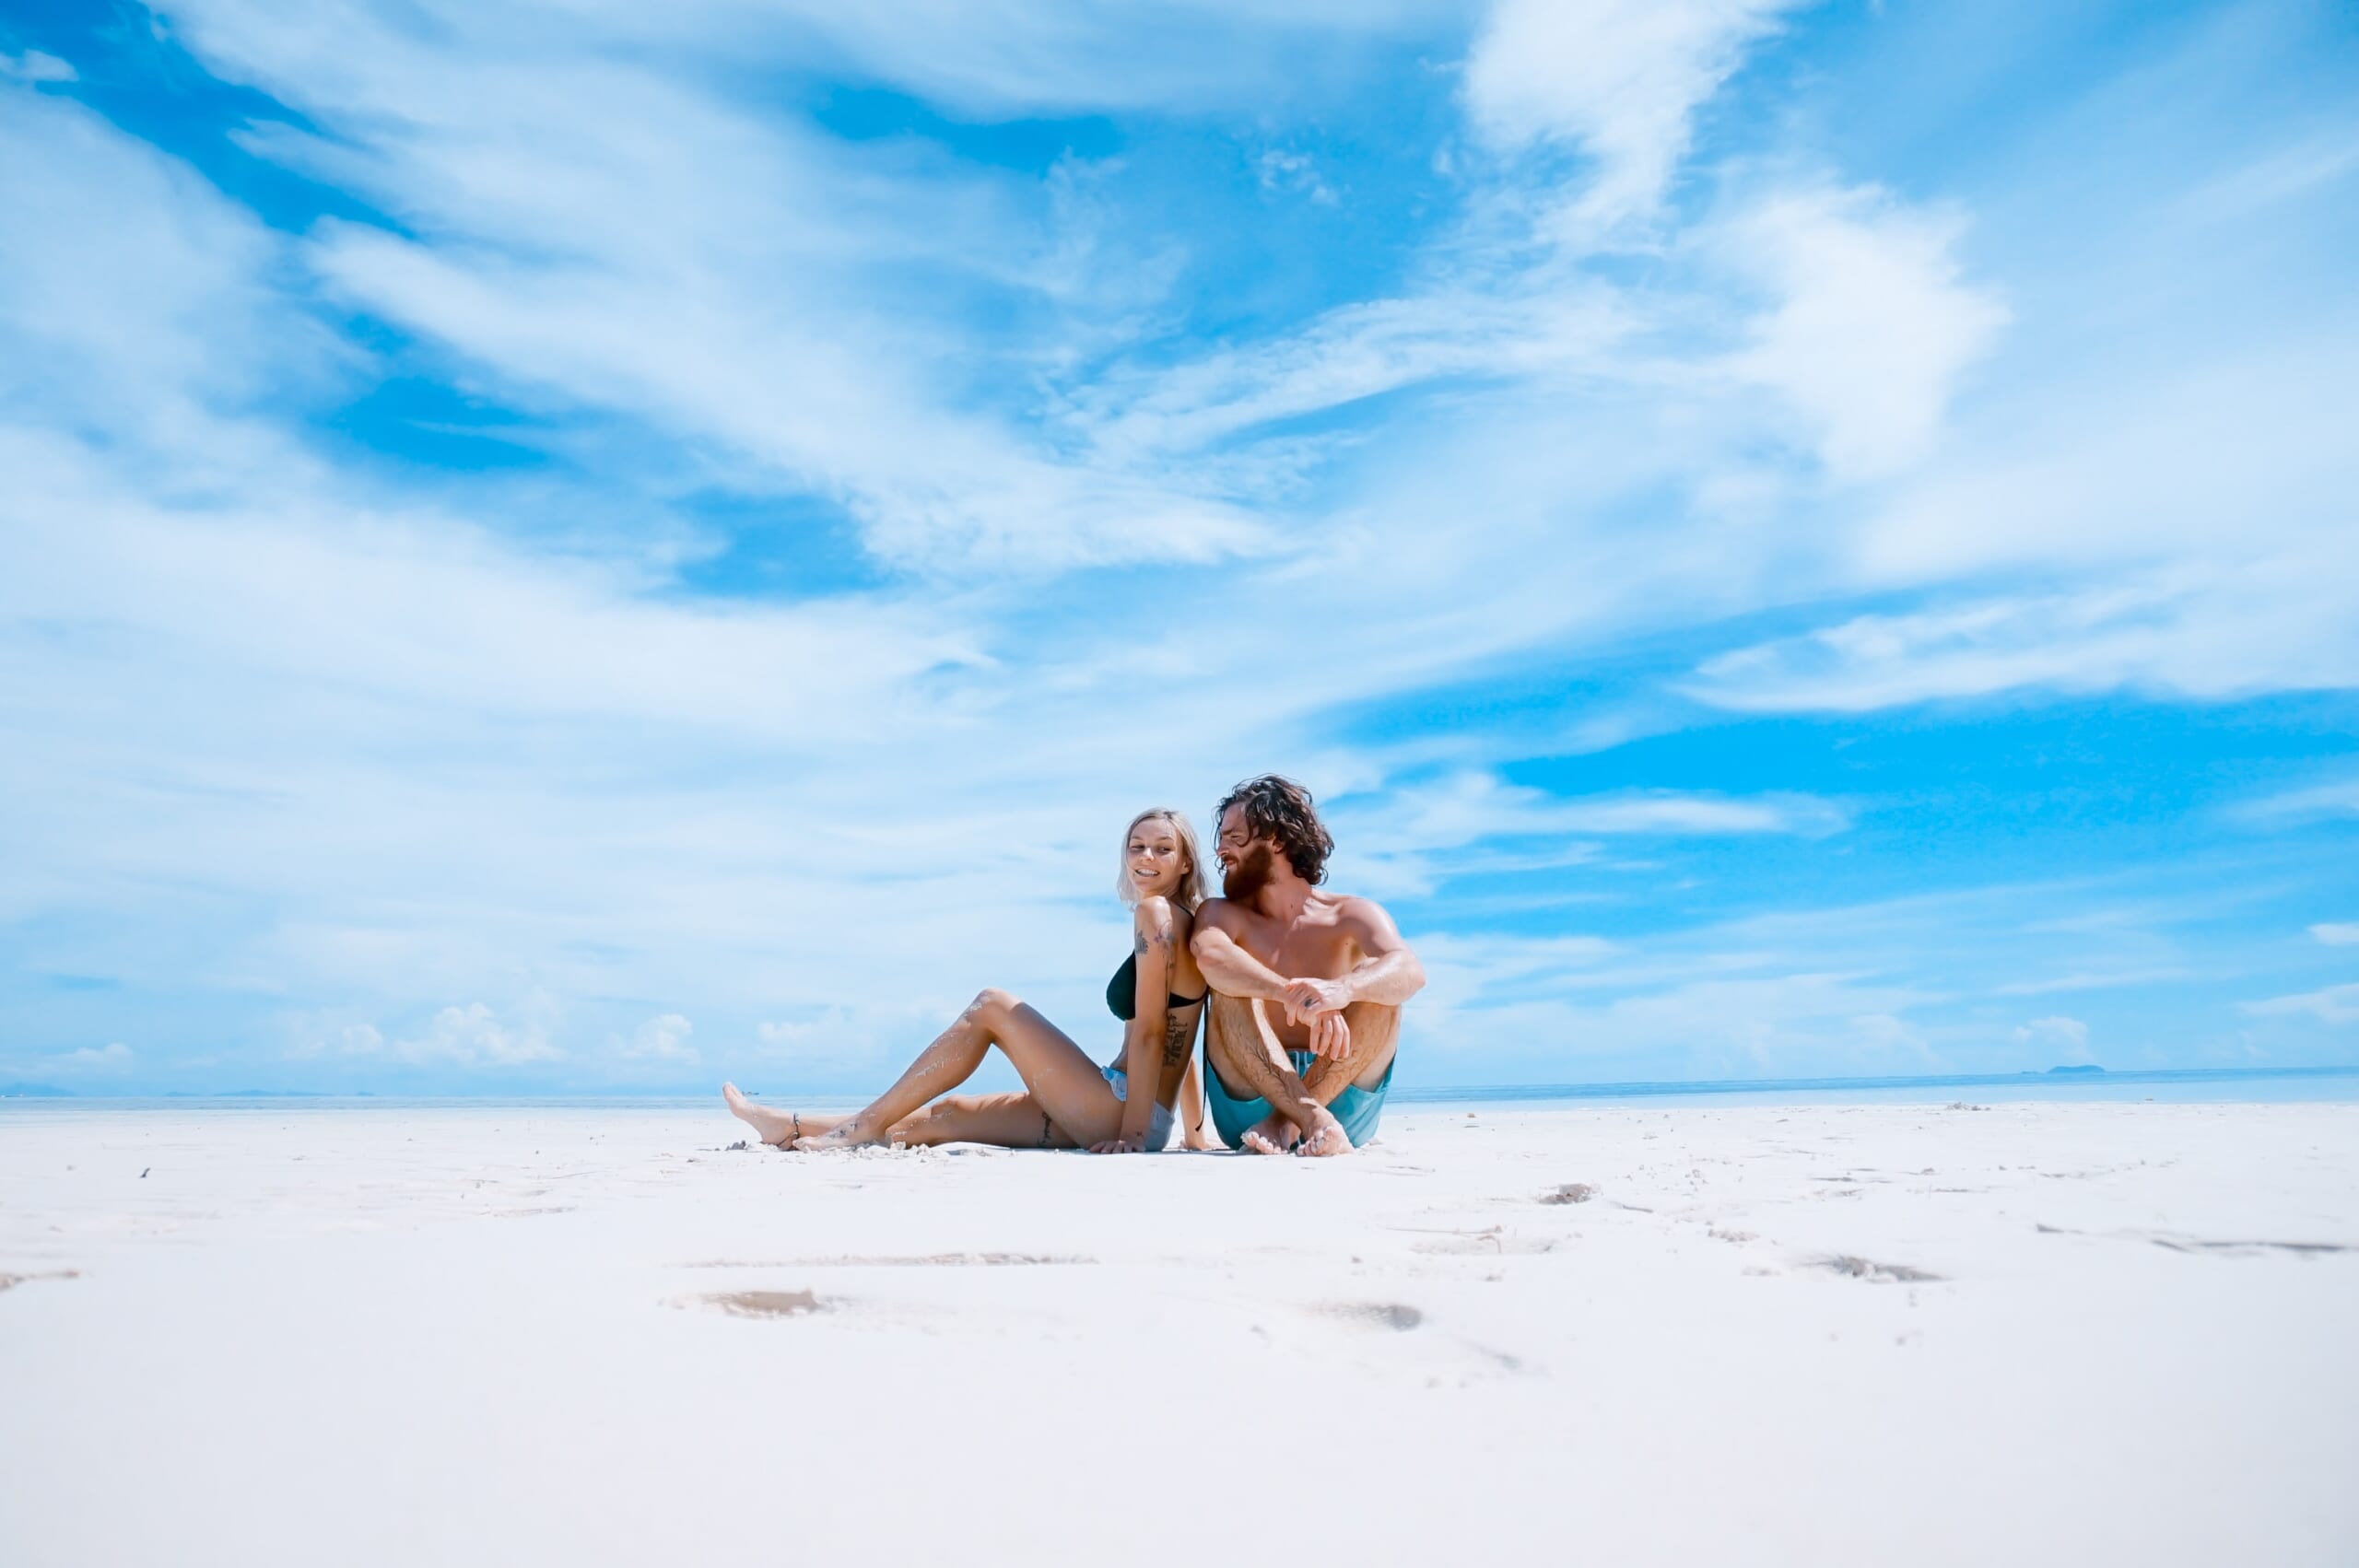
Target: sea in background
{"x":2240,"y":1085}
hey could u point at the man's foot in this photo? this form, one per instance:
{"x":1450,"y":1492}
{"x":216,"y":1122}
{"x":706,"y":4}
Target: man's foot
{"x":1325,"y":1137}
{"x":776,"y":1127}
{"x":1273,"y":1134}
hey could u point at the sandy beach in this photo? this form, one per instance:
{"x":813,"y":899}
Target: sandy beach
{"x":2024,"y":1333}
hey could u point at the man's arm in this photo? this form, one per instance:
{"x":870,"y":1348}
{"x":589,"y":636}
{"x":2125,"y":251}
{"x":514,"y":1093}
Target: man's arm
{"x":1232,"y":971}
{"x":1229,"y":968}
{"x":1388,"y":974}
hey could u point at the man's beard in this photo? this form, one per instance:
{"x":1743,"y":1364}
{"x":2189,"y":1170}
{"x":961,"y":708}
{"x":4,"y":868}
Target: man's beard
{"x":1242,"y":882}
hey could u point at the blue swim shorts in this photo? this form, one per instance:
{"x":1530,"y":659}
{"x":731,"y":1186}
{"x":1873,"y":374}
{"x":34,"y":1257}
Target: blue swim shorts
{"x":1359,"y":1109}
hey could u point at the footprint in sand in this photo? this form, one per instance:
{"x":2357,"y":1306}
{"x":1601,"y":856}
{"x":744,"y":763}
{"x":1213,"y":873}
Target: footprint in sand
{"x":1389,"y":1315}
{"x":1881,"y":1273}
{"x":1571,"y":1193}
{"x":9,"y":1282}
{"x":765,"y":1303}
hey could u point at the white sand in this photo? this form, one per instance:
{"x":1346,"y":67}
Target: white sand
{"x":498,"y":1337}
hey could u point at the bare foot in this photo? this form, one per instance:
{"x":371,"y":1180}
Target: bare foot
{"x":1327,"y":1137}
{"x":1273,"y":1134}
{"x":776,"y":1127}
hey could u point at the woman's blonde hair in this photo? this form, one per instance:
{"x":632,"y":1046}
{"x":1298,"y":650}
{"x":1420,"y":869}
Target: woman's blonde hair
{"x":1193,"y":889}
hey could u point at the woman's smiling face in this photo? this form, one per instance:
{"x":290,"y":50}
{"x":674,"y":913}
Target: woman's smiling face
{"x":1155,"y":858}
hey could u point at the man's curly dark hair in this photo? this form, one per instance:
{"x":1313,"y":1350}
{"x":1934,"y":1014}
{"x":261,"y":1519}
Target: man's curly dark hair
{"x":1279,"y":808}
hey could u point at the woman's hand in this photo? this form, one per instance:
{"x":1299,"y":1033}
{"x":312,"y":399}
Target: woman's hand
{"x":1121,"y":1146}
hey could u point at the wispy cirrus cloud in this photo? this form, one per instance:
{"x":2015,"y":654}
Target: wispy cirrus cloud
{"x":2330,"y":1004}
{"x":32,"y":66}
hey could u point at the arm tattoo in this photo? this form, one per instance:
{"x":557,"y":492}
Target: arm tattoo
{"x":1178,"y":1034}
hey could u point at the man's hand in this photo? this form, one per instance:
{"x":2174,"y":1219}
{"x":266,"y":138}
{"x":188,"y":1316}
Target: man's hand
{"x":1307,"y":998}
{"x":1329,"y":1035}
{"x":1320,"y":1004}
{"x":1119,"y":1146}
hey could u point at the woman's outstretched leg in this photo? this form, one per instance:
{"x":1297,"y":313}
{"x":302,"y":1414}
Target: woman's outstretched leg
{"x":782,"y":1128}
{"x":1008,"y":1121}
{"x":1061,"y":1079}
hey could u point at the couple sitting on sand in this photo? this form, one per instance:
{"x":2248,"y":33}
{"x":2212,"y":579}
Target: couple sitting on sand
{"x":1309,"y":1079}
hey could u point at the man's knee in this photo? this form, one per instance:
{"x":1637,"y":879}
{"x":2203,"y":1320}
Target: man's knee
{"x":1376,"y":1035}
{"x":1230,"y":1029}
{"x":1373,"y":1022}
{"x":1231,"y":1046}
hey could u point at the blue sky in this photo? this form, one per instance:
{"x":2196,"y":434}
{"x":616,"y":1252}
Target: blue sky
{"x":584,"y":546}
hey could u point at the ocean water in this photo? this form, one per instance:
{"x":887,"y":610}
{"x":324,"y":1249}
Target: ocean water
{"x":2184,"y":1086}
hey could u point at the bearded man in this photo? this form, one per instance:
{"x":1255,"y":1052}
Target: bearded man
{"x":1306,"y":985}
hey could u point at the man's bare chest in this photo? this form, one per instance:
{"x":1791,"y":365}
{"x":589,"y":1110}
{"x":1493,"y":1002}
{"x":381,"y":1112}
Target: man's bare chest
{"x":1318,"y":951}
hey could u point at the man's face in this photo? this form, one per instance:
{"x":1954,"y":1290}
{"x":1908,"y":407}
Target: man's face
{"x":1245,"y":862}
{"x":1236,"y":840}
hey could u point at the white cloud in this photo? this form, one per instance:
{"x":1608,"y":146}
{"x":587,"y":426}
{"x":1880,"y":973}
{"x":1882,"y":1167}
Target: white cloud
{"x":1281,"y":171}
{"x":32,"y":66}
{"x":665,"y":1039}
{"x":112,"y":1057}
{"x":2110,"y":980}
{"x":2337,"y":933}
{"x":592,"y":231}
{"x":1873,"y":323}
{"x":2282,"y":175}
{"x":1620,"y":78}
{"x":999,"y":58}
{"x":2071,"y":1033}
{"x":2335,"y":798}
{"x":1414,"y":835}
{"x":2200,"y":633}
{"x":1517,"y":334}
{"x":2334,"y":1004}
{"x":473,"y":1037}
{"x":134,"y":297}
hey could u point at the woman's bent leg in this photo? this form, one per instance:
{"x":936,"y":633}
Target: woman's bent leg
{"x":1063,"y":1082}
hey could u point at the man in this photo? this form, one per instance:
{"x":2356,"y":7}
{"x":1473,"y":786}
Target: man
{"x":1306,"y":984}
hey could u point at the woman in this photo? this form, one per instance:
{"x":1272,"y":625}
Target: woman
{"x":1068,"y":1101}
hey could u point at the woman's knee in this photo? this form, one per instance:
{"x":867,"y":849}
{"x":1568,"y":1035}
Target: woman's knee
{"x":992,"y":1004}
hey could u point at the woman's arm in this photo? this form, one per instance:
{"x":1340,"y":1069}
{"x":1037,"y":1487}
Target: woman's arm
{"x":1153,"y":935}
{"x":1191,"y":1110}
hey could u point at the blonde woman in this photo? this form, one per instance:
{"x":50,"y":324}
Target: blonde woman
{"x":1068,"y":1101}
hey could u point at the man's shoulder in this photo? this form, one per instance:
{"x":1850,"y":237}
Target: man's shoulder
{"x":1221,"y":913}
{"x":1357,"y":914}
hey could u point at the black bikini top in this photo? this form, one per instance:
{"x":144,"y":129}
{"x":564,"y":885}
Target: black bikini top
{"x":1122,"y":992}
